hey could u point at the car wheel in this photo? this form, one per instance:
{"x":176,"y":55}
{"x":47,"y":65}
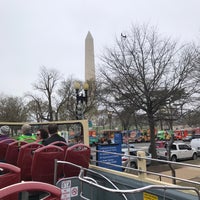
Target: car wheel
{"x":194,"y":157}
{"x":174,"y":158}
{"x":133,"y":165}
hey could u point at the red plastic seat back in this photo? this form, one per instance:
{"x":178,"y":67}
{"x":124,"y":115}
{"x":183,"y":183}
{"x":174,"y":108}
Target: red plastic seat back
{"x":78,"y":154}
{"x":25,"y":158}
{"x":13,"y":152}
{"x":54,"y":192}
{"x":10,"y":174}
{"x":61,"y":144}
{"x":3,"y":148}
{"x":43,"y":163}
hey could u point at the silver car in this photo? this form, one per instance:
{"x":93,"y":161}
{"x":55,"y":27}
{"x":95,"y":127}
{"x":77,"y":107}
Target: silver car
{"x":132,"y":158}
{"x":124,"y":146}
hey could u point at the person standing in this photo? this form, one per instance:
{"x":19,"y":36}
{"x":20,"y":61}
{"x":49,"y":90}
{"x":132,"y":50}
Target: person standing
{"x":53,"y":135}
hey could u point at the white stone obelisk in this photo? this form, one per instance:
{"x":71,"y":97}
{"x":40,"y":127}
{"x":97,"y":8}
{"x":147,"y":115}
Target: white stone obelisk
{"x":89,"y":58}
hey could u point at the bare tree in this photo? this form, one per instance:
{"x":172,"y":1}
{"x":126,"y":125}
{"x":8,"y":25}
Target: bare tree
{"x":146,"y":70}
{"x":55,"y":98}
{"x":37,"y":107}
{"x":13,"y":109}
{"x":65,"y":102}
{"x":46,"y":87}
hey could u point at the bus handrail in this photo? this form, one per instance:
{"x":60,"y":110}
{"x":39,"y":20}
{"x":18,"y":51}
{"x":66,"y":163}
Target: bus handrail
{"x":149,"y":172}
{"x":92,"y":182}
{"x":82,"y":169}
{"x":141,"y":189}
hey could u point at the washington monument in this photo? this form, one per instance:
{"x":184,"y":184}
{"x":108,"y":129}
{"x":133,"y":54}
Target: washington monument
{"x":89,"y":58}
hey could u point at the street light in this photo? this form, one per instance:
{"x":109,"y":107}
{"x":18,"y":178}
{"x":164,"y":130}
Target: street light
{"x":110,"y":119}
{"x":81,"y":98}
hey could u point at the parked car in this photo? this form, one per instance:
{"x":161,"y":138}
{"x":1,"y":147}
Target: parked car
{"x":179,"y":151}
{"x":161,"y":144}
{"x":196,"y":136}
{"x":195,"y":143}
{"x":127,"y":145}
{"x":132,"y":158}
{"x":188,"y":138}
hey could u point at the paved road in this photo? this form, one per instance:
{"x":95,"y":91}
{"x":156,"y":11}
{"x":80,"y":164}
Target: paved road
{"x":183,"y":172}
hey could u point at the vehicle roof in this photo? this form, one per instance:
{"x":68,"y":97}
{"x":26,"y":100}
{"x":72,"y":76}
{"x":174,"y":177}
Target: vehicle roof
{"x":180,"y":143}
{"x":195,"y":139}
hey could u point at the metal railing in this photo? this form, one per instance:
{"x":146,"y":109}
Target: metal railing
{"x":94,"y":183}
{"x":142,"y":171}
{"x":86,"y":178}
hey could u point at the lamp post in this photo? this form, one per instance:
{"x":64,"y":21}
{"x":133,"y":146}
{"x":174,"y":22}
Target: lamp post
{"x":110,"y":124}
{"x":81,"y":98}
{"x":110,"y":119}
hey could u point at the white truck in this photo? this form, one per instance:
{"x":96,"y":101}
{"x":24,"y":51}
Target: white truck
{"x":179,"y":151}
{"x":195,"y":143}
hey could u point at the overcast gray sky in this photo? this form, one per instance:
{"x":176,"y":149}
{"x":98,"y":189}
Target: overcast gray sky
{"x":51,"y":33}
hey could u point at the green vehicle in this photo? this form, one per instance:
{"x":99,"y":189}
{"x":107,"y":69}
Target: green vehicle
{"x":164,"y":135}
{"x":161,"y":135}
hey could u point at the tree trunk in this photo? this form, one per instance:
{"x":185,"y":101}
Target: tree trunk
{"x":152,"y":147}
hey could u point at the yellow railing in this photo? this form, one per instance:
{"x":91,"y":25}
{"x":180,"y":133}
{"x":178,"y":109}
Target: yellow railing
{"x":80,"y":126}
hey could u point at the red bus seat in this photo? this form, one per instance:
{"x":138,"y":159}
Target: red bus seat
{"x":54,"y":192}
{"x":13,"y":152}
{"x":78,"y":154}
{"x":10,"y":174}
{"x":61,"y":144}
{"x":3,"y":148}
{"x":44,"y":161}
{"x":25,"y":158}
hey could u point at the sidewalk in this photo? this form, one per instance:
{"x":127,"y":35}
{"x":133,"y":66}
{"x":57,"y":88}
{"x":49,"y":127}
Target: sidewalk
{"x":183,"y":172}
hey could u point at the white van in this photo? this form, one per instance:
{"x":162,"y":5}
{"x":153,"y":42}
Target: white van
{"x":195,"y":143}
